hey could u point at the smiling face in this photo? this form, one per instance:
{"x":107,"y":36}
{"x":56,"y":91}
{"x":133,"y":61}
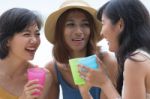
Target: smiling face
{"x":23,"y":45}
{"x":76,"y":31}
{"x":111,"y":32}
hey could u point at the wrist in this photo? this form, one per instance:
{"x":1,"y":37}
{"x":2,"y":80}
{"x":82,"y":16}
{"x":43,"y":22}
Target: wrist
{"x":109,"y":90}
{"x":87,"y":96}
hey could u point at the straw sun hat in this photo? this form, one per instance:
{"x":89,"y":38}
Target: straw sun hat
{"x":69,"y":4}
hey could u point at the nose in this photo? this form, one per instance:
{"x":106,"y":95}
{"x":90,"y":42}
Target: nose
{"x":33,"y":40}
{"x":78,"y":30}
{"x":102,"y":33}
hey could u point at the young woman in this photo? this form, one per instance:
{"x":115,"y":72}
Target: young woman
{"x":73,"y":30}
{"x":19,"y":40}
{"x":126,"y":26}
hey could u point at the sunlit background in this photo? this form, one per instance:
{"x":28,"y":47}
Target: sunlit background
{"x":45,"y":7}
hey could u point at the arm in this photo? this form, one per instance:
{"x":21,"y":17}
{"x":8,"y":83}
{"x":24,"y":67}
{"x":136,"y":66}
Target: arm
{"x":53,"y":92}
{"x":99,"y":78}
{"x":84,"y":90}
{"x":134,"y":78}
{"x":111,"y":66}
{"x":31,"y":87}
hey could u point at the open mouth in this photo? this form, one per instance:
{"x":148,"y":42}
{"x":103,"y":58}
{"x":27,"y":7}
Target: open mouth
{"x":31,"y":50}
{"x":78,"y":39}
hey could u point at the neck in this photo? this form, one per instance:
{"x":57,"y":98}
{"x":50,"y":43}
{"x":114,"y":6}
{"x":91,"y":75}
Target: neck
{"x":76,"y":54}
{"x":12,"y":67}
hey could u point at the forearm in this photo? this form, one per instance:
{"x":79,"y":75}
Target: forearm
{"x":84,"y":91}
{"x":86,"y":95}
{"x":110,"y":90}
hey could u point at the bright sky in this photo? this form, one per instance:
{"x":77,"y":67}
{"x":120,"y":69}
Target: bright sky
{"x":45,"y":7}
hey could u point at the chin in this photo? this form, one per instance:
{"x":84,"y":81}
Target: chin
{"x":30,"y":58}
{"x":111,"y":49}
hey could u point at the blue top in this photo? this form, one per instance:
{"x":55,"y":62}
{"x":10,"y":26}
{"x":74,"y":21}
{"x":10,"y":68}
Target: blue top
{"x":72,"y":93}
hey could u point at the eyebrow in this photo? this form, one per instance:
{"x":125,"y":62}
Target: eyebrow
{"x":84,"y":20}
{"x":26,"y":29}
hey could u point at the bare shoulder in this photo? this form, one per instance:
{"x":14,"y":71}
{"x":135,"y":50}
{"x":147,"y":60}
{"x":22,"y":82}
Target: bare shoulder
{"x":137,"y":67}
{"x":54,"y":88}
{"x":140,"y":59}
{"x":138,"y":63}
{"x":51,"y":67}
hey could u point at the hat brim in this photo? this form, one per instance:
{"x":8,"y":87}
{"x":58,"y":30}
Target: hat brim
{"x":52,"y":19}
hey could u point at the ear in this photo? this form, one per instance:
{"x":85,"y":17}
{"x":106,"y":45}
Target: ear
{"x":121,"y":24}
{"x":8,"y":42}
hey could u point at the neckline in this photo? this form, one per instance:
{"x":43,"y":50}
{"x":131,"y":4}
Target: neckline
{"x":5,"y":92}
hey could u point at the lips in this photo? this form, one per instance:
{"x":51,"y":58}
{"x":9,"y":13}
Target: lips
{"x":31,"y":50}
{"x":78,"y":39}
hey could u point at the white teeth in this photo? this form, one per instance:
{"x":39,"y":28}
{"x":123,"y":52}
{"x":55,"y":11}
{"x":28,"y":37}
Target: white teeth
{"x":31,"y":48}
{"x":77,"y":39}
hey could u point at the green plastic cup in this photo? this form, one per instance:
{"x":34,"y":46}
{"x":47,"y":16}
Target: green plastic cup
{"x":74,"y":69}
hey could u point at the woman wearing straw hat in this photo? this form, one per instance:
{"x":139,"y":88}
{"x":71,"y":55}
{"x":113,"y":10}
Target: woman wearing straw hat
{"x":74,"y":31}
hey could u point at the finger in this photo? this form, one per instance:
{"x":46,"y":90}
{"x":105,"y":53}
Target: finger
{"x":33,"y":93}
{"x":83,"y":71}
{"x":83,"y":77}
{"x":35,"y":86}
{"x":99,"y":62}
{"x":36,"y":66}
{"x":31,"y":82}
{"x":46,"y":70}
{"x":83,"y":68}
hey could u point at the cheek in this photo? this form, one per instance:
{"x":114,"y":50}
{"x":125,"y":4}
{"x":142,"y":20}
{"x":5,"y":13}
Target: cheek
{"x":67,"y":38}
{"x":104,"y":31}
{"x":87,"y":35}
{"x":39,"y":41}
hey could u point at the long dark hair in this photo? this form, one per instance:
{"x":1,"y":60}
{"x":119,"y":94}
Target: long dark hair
{"x":136,"y":32}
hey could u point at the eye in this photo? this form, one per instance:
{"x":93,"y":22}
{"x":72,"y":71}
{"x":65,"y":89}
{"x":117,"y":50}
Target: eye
{"x":26,"y":34}
{"x":37,"y":33}
{"x":69,"y":24}
{"x":86,"y":24}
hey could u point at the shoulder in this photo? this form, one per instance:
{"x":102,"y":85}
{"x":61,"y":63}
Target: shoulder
{"x":51,"y":67}
{"x":137,"y":63}
{"x":138,"y":58}
{"x":140,"y":55}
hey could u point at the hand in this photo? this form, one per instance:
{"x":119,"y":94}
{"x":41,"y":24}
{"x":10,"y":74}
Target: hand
{"x":93,"y":77}
{"x":84,"y":90}
{"x":30,"y":88}
{"x":47,"y":85}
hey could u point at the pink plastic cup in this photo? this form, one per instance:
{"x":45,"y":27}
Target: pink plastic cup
{"x":37,"y":73}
